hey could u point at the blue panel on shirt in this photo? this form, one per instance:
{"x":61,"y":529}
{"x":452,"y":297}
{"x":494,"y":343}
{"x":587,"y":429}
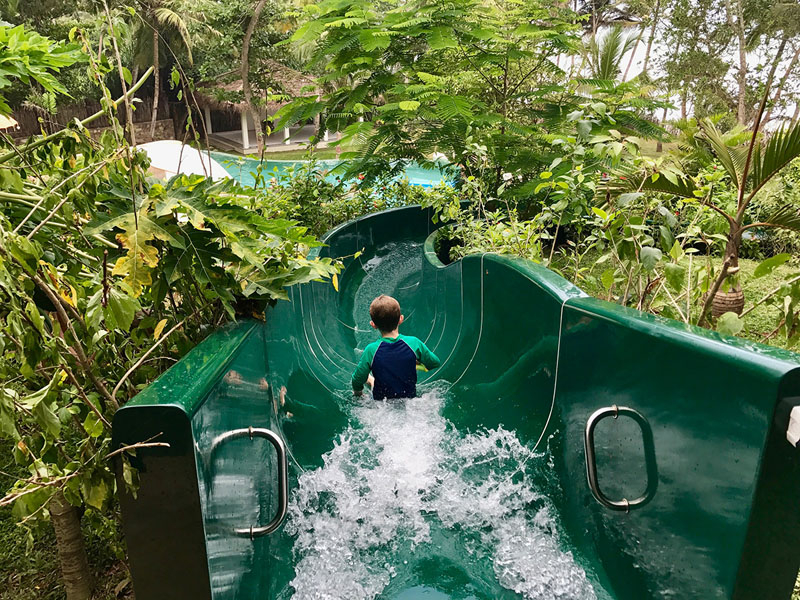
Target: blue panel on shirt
{"x":395,"y":369}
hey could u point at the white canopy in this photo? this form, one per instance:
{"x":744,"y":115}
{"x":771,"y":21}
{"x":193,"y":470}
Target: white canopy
{"x":170,"y":157}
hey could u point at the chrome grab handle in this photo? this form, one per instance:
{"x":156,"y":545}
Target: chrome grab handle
{"x":649,"y":455}
{"x":283,"y":475}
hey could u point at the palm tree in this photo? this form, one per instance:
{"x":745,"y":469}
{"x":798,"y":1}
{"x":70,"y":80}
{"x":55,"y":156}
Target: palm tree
{"x":167,"y":20}
{"x":750,"y":167}
{"x":605,"y":57}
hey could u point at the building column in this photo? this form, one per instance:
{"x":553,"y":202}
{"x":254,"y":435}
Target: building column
{"x":325,"y":136}
{"x":245,"y":135}
{"x":286,"y":136}
{"x":207,"y":111}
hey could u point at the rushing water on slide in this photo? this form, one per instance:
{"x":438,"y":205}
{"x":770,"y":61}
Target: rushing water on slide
{"x":406,"y":507}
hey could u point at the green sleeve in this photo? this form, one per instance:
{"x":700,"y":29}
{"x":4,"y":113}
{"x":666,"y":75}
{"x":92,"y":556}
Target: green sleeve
{"x":428,"y":359}
{"x":364,"y":365}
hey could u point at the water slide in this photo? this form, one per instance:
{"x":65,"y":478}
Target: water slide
{"x":567,"y":448}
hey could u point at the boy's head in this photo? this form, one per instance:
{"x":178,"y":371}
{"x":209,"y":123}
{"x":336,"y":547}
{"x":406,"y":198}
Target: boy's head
{"x":385,"y":314}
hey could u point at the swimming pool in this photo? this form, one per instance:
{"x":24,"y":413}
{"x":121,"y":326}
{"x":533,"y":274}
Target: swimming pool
{"x":243,"y":169}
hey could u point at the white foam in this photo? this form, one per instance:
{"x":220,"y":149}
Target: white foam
{"x":400,"y":470}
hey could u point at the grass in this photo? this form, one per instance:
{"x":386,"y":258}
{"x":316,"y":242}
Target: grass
{"x":650,"y":148}
{"x":36,"y":575}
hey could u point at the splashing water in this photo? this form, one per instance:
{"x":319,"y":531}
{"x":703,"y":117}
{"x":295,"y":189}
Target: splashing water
{"x":405,"y":507}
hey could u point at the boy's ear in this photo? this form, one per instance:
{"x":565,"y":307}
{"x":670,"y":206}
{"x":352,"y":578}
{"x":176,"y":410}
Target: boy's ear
{"x":373,"y":325}
{"x":400,"y":322}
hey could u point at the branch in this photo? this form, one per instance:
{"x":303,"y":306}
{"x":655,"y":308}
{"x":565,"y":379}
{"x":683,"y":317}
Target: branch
{"x":86,"y":400}
{"x":741,"y":203}
{"x":713,"y":206}
{"x":52,"y":213}
{"x":713,"y":291}
{"x":122,"y":449}
{"x":770,"y":295}
{"x":150,"y":351}
{"x":80,"y":355}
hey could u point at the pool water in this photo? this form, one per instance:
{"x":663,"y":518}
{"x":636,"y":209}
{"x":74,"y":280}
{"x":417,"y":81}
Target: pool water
{"x":243,"y":169}
{"x":407,"y":507}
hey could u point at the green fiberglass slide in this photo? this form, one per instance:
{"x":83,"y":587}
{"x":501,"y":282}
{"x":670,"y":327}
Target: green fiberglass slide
{"x":567,"y":448}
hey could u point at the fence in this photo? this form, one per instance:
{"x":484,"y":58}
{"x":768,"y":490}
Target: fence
{"x":33,"y":120}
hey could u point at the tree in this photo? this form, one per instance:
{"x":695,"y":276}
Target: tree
{"x":82,"y":315}
{"x":735,"y":17}
{"x":605,"y":57}
{"x":160,"y":20}
{"x":749,"y":167}
{"x":245,"y":71}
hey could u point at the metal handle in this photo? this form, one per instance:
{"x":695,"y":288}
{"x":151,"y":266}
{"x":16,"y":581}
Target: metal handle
{"x":649,"y":456}
{"x":283,"y":475}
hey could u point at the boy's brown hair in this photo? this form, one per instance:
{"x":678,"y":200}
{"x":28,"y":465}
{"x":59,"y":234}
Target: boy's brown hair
{"x":385,"y":313}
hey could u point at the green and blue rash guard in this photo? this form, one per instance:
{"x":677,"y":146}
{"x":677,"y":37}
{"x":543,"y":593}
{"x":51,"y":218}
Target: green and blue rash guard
{"x":393,"y":362}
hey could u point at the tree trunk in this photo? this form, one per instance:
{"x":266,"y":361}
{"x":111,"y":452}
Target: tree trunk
{"x":684,"y":94}
{"x":659,"y":145}
{"x":633,"y":53}
{"x":783,"y":80}
{"x":71,"y":551}
{"x":245,"y":69}
{"x":652,"y":35}
{"x":156,"y":84}
{"x":733,"y":300}
{"x":741,"y":76}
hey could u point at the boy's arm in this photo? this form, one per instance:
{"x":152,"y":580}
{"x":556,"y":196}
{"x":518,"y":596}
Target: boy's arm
{"x":361,"y":373}
{"x":428,"y":359}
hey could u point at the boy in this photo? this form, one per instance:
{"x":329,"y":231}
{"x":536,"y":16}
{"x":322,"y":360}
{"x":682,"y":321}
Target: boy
{"x":392,"y":359}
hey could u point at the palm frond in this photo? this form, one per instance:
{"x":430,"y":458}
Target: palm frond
{"x":768,"y":159}
{"x":605,"y":56}
{"x":168,"y":17}
{"x":786,"y":216}
{"x":682,"y":186}
{"x":720,"y":149}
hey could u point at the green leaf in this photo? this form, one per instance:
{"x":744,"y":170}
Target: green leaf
{"x":607,"y":278}
{"x":767,"y":266}
{"x":440,"y":38}
{"x":730,"y":324}
{"x":671,"y":177}
{"x":370,"y":41}
{"x":786,"y":216}
{"x":676,"y":252}
{"x":675,"y":275}
{"x":93,"y":426}
{"x":120,"y":311}
{"x":35,"y":317}
{"x":408,"y":105}
{"x":649,"y":257}
{"x":781,"y":149}
{"x":26,"y":252}
{"x":95,"y":492}
{"x":47,"y":418}
{"x":7,"y":414}
{"x":721,"y":150}
{"x":545,"y":175}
